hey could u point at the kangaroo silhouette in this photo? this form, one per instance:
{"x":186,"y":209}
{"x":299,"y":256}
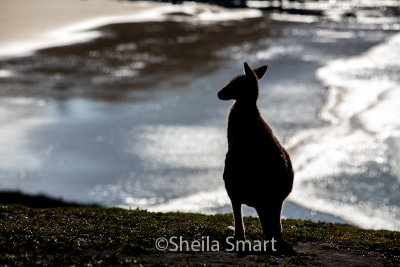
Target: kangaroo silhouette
{"x":258,"y":171}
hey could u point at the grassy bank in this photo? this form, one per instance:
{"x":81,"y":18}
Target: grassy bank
{"x":111,"y":236}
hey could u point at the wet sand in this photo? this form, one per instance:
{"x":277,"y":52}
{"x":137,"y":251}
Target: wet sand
{"x":130,"y":57}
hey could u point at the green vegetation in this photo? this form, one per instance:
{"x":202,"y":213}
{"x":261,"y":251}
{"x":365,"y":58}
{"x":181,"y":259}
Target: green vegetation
{"x":98,"y":236}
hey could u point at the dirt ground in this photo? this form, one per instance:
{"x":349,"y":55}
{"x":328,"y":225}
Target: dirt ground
{"x":310,"y":254}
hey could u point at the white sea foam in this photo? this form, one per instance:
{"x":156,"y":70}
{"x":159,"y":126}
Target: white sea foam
{"x":349,"y":169}
{"x":6,"y":73}
{"x":276,"y":51}
{"x":368,"y":12}
{"x":204,"y":202}
{"x":294,"y":18}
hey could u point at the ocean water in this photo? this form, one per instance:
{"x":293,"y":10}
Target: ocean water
{"x":351,"y":166}
{"x":124,"y":120}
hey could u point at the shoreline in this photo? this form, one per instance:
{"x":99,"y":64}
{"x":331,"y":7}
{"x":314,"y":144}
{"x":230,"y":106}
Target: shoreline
{"x":65,"y":26}
{"x":62,"y":29}
{"x":15,"y":197}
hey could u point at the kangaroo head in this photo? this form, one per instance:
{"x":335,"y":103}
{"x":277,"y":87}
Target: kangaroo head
{"x":244,"y":87}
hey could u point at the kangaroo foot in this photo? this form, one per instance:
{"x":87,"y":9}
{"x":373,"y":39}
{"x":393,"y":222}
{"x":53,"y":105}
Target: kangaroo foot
{"x":283,"y":248}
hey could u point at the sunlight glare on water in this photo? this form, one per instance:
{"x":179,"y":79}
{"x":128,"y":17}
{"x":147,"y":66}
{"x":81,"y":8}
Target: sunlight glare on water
{"x":179,"y":146}
{"x":354,"y":156}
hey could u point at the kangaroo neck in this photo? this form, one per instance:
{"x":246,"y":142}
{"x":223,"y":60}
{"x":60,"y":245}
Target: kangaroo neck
{"x":243,"y":119}
{"x":244,"y":109}
{"x":243,"y":114}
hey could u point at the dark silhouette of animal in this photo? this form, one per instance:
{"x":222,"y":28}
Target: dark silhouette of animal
{"x":258,"y":171}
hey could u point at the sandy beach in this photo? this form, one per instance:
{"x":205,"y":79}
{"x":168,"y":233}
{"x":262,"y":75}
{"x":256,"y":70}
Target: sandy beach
{"x":33,"y":25}
{"x":30,"y":22}
{"x":24,"y":20}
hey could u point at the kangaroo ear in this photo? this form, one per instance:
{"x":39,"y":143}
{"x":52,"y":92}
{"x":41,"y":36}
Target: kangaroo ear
{"x":249,"y":72}
{"x":260,"y":71}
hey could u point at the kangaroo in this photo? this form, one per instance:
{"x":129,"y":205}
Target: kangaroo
{"x":258,"y":171}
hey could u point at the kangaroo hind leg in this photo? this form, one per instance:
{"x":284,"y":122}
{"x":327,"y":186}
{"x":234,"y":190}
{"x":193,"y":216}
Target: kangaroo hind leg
{"x":238,"y":218}
{"x":270,"y":219}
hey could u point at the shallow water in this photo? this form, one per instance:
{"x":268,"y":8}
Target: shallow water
{"x":128,"y":121}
